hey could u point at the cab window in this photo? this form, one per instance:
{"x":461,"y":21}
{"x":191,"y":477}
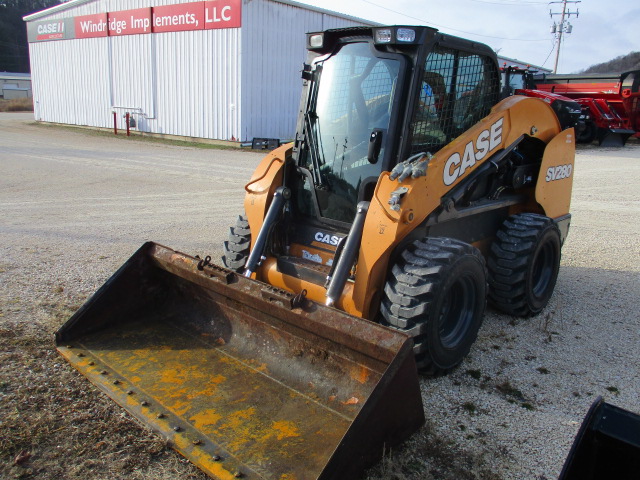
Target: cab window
{"x":458,"y":89}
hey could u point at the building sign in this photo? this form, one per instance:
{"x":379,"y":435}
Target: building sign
{"x":181,"y":17}
{"x":222,"y":14}
{"x":91,"y":26}
{"x":130,"y":22}
{"x":61,"y":29}
{"x":212,"y":14}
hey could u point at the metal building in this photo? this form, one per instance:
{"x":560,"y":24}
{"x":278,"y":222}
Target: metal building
{"x":15,"y":85}
{"x":221,"y":69}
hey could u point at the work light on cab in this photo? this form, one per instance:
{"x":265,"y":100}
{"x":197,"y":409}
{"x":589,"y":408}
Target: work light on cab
{"x":315,"y":40}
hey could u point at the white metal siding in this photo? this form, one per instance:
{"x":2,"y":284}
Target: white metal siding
{"x":274,"y":50}
{"x":227,"y":84}
{"x":184,"y":83}
{"x":199,"y":89}
{"x":71,"y":84}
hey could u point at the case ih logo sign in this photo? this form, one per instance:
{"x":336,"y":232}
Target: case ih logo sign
{"x":51,"y":31}
{"x":169,"y":18}
{"x":61,"y":29}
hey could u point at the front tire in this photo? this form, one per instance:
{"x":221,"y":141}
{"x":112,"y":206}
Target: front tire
{"x":436,"y":292}
{"x":236,"y":249}
{"x":524,"y":264}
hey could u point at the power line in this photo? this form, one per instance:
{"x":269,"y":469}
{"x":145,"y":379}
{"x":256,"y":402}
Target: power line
{"x":511,"y":4}
{"x":453,"y":29}
{"x":553,"y":46}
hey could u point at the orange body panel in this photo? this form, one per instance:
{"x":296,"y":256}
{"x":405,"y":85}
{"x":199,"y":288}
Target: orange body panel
{"x":260,"y":189}
{"x":555,"y":181}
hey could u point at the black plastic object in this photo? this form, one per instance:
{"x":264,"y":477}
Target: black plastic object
{"x":375,"y":143}
{"x":265,"y":143}
{"x":607,"y":446}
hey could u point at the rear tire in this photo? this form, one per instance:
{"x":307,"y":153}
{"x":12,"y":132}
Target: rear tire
{"x":436,"y":292}
{"x":588,"y":135}
{"x":524,"y":264}
{"x":236,"y":249}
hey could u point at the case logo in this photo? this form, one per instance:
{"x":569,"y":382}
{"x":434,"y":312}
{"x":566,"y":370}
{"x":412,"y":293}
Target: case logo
{"x":327,"y":238}
{"x":485,"y":142}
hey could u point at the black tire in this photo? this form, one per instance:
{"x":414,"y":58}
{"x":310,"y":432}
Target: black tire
{"x":436,"y":292}
{"x":524,"y":264}
{"x":588,"y":134}
{"x":236,"y":249}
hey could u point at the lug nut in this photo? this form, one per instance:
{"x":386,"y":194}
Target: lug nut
{"x":176,"y":429}
{"x":116,"y":382}
{"x":238,"y":474}
{"x":103,"y":372}
{"x":197,"y":442}
{"x":216,"y":458}
{"x":129,"y":392}
{"x":160,"y":415}
{"x":144,"y":403}
{"x":92,"y":363}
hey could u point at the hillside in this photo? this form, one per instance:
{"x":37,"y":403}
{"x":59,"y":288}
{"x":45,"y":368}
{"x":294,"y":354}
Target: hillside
{"x":623,"y":63}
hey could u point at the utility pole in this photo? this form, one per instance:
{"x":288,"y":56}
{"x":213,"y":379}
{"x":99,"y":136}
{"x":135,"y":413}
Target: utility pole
{"x":563,"y":26}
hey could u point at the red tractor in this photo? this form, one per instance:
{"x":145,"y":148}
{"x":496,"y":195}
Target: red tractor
{"x":519,"y":81}
{"x":610,"y":101}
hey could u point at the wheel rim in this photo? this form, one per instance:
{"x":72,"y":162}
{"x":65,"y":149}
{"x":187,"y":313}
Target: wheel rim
{"x":542,"y":270}
{"x":457,"y":312}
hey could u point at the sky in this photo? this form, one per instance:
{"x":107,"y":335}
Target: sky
{"x":519,"y":29}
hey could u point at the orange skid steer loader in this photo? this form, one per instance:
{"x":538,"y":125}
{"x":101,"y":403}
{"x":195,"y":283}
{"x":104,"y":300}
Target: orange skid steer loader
{"x":367,"y":252}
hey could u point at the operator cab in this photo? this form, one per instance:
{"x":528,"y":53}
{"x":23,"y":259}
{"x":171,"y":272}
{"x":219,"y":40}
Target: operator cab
{"x":372,"y":98}
{"x":375,"y":96}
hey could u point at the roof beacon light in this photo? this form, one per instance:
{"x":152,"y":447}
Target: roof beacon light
{"x":316,"y":40}
{"x":383,"y":35}
{"x":406,"y":35}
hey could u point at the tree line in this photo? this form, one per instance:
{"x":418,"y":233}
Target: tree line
{"x":14,"y":49}
{"x":623,"y":63}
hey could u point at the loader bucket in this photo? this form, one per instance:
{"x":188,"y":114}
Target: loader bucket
{"x":606,"y":446}
{"x":245,"y":380}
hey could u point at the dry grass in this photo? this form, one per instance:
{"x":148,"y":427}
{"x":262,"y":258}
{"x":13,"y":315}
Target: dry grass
{"x":16,"y":105}
{"x":55,"y":425}
{"x":428,"y":457}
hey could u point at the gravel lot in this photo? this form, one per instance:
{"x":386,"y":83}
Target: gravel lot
{"x":75,"y":205}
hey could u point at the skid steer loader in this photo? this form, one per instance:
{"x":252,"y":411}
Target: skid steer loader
{"x":367,"y":252}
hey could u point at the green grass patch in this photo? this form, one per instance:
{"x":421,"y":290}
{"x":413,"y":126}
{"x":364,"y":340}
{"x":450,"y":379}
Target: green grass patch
{"x":142,"y":137}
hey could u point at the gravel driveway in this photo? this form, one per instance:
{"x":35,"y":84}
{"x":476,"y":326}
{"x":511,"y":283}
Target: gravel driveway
{"x":75,"y":205}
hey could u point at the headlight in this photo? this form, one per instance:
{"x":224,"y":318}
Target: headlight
{"x":384,"y":35}
{"x":406,"y":35}
{"x":315,"y":40}
{"x":395,"y":35}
